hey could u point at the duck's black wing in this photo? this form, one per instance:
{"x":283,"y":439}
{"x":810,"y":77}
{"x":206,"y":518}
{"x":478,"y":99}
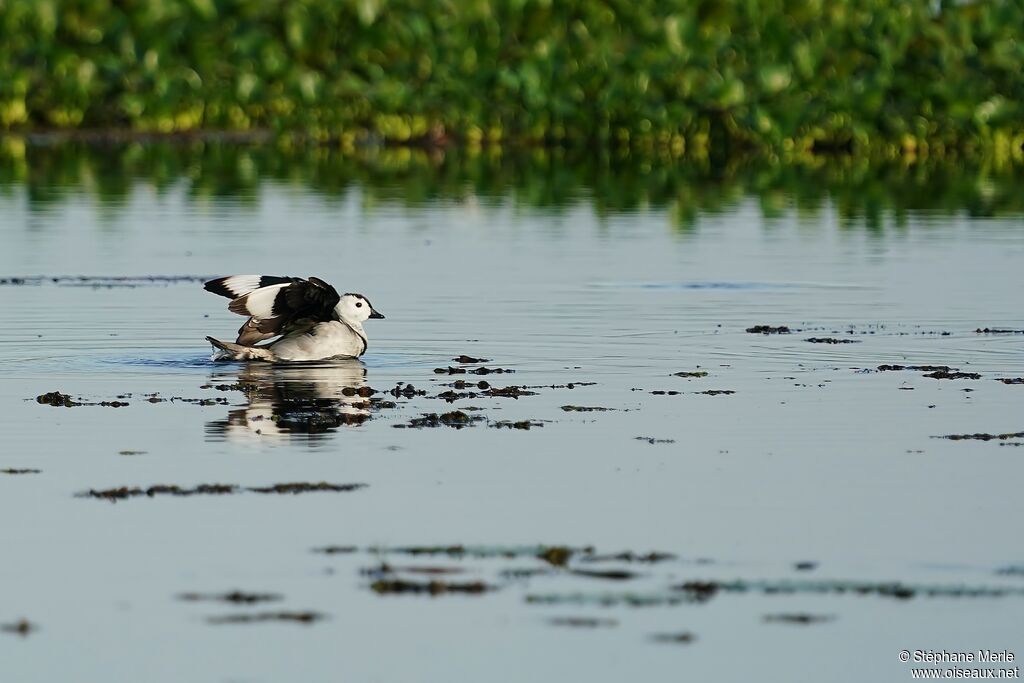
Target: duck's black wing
{"x":276,"y":305}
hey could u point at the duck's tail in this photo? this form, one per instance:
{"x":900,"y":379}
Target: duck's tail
{"x":229,"y":351}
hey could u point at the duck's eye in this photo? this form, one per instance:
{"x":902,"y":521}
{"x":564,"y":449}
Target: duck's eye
{"x":359,"y":304}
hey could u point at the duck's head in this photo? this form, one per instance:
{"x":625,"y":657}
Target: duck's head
{"x":355,"y":308}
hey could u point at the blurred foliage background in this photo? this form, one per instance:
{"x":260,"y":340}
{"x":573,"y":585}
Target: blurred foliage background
{"x":864,"y":194}
{"x":933,"y":78}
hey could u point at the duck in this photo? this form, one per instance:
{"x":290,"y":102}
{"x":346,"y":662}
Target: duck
{"x":310,"y":320}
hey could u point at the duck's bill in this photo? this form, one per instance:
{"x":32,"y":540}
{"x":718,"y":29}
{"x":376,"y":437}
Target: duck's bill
{"x":376,"y":314}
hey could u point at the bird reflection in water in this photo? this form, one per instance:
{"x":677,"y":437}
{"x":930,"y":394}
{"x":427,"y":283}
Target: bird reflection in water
{"x":311,"y":399}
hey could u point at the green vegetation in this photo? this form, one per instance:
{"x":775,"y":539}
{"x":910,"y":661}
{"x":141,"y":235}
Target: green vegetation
{"x":785,"y":76}
{"x":688,"y":76}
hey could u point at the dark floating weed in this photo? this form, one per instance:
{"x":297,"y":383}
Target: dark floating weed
{"x":462,"y":384}
{"x":453,"y":396}
{"x":487,"y":391}
{"x":56,"y":398}
{"x":406,"y":391}
{"x":990,"y":330}
{"x":434,"y":587}
{"x":716,"y":392}
{"x":131,"y":452}
{"x":666,"y":392}
{"x":294,"y":617}
{"x":895,"y":589}
{"x":125,"y":492}
{"x":831,"y":340}
{"x":478,"y":371}
{"x":452,"y":550}
{"x":694,"y":373}
{"x":681,"y":638}
{"x":16,"y":470}
{"x":798,"y":618}
{"x":982,"y":437}
{"x":556,"y":555}
{"x":517,"y":424}
{"x":645,"y":558}
{"x":337,"y":549}
{"x":651,"y":587}
{"x":1011,"y":380}
{"x":586,"y":409}
{"x":455,"y":419}
{"x":59,"y":399}
{"x":696,"y":592}
{"x":916,"y":368}
{"x":626,"y":599}
{"x":236,"y":597}
{"x":21,"y":627}
{"x":583,"y":622}
{"x":768,"y":329}
{"x":305,"y":487}
{"x":945,"y":374}
{"x":608,"y":574}
{"x":519,"y":573}
{"x":700,"y":591}
{"x":385,"y":569}
{"x":235,"y":386}
{"x":101,"y":280}
{"x":214,"y":401}
{"x":449,"y":371}
{"x":509,"y":392}
{"x":651,"y":440}
{"x":470,"y":360}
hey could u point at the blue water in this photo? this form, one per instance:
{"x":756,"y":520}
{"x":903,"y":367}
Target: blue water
{"x":819,"y":471}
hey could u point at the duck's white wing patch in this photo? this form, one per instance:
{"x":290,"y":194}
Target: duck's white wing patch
{"x":234,"y":286}
{"x":258,"y":303}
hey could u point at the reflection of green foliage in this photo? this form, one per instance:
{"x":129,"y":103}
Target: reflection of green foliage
{"x":916,"y":77}
{"x":862,"y":192}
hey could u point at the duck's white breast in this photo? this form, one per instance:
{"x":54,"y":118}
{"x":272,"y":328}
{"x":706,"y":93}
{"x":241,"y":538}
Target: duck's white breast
{"x":324,"y":340}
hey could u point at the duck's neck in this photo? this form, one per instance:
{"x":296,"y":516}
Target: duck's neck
{"x":355,"y":326}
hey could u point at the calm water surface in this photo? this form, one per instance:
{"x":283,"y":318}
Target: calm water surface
{"x":817,"y":458}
